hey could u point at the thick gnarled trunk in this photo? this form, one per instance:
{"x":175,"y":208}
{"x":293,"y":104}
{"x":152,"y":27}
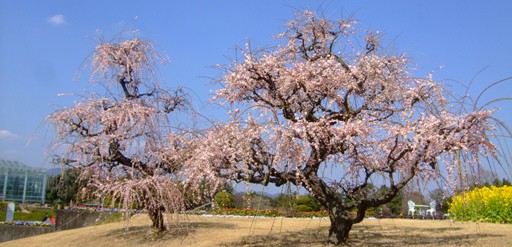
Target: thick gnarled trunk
{"x":157,"y":217}
{"x":341,"y":224}
{"x":339,"y":215}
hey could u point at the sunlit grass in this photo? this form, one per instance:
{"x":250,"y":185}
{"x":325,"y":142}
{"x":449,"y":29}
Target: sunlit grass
{"x":34,"y":213}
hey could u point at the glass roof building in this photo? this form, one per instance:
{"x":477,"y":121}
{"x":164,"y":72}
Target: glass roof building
{"x":21,"y":183}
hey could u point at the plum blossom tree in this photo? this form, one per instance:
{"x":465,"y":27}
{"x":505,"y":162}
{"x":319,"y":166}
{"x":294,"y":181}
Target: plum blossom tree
{"x":328,"y":109}
{"x":123,"y":143}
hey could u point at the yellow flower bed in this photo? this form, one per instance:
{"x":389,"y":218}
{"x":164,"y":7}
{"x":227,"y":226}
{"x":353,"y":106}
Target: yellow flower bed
{"x":486,"y":204}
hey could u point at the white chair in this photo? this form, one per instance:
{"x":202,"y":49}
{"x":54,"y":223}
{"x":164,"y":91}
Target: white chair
{"x":432,"y":209}
{"x":411,"y":205}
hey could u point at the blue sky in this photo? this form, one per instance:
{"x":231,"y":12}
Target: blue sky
{"x":43,"y":45}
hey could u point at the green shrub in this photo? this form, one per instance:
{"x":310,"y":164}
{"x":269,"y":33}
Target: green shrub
{"x":370,"y":212}
{"x":3,"y":210}
{"x":303,"y":208}
{"x":267,"y":213}
{"x":224,"y":200}
{"x":3,"y":205}
{"x":303,"y":200}
{"x":285,"y":201}
{"x":306,"y":202}
{"x":486,"y":204}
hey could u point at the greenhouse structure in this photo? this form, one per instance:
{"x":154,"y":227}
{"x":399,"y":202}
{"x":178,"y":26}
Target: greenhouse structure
{"x":21,"y":183}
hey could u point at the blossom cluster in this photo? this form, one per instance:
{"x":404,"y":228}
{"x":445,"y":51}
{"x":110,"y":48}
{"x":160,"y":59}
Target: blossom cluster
{"x":134,"y":59}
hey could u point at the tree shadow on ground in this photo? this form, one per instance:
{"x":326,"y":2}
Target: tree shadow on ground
{"x":368,"y":236}
{"x":414,"y":236}
{"x":143,"y":234}
{"x":304,"y":238}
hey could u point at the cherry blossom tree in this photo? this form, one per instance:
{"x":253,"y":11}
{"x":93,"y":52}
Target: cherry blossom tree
{"x":328,"y":109}
{"x":123,"y":142}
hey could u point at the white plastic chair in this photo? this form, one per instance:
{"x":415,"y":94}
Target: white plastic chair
{"x":411,"y":205}
{"x":432,"y":209}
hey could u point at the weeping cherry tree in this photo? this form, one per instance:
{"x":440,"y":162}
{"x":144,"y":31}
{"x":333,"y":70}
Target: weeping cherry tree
{"x":328,"y":109}
{"x":123,"y":142}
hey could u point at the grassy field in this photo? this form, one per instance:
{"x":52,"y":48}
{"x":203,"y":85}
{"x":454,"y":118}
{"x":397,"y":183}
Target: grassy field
{"x":229,"y":231}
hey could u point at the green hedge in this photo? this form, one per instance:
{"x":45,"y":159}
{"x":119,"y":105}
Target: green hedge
{"x":267,"y":213}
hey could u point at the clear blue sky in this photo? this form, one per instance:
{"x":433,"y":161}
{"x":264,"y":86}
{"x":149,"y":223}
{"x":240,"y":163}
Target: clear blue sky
{"x":43,"y":45}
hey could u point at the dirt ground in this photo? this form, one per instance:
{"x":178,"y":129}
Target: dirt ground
{"x":236,"y":231}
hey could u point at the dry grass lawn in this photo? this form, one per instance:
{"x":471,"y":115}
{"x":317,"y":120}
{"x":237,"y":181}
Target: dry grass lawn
{"x":228,"y":231}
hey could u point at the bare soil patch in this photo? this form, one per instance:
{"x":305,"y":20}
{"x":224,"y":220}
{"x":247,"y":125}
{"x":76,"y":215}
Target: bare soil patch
{"x":235,"y":231}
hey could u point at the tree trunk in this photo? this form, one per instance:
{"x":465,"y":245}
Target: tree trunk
{"x":330,"y":199}
{"x":341,"y":224}
{"x":157,"y":217}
